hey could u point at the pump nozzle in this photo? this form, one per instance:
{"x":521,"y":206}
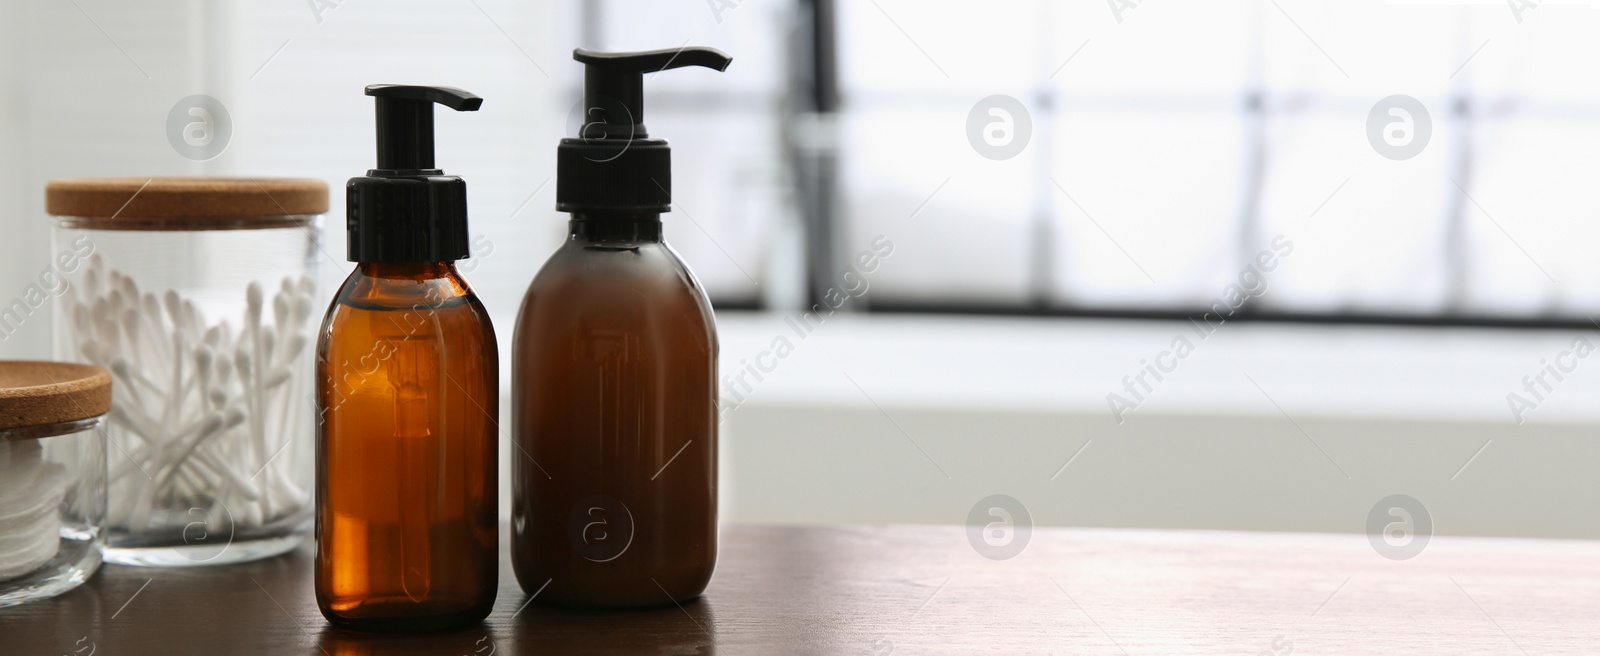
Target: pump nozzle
{"x":405,"y":122}
{"x":614,"y":167}
{"x":405,"y":210}
{"x":613,"y":84}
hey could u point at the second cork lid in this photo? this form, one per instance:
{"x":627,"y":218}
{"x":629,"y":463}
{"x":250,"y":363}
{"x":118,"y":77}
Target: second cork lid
{"x":41,"y":394}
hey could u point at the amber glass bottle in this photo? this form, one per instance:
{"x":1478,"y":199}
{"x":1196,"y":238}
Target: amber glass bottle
{"x":406,"y":453}
{"x":614,"y":485}
{"x":407,"y":395}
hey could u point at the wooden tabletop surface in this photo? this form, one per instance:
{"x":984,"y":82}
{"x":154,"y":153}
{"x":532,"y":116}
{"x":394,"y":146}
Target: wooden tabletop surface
{"x":914,"y":590}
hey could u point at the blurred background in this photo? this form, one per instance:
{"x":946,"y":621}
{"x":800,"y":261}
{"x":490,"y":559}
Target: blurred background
{"x":1244,"y":264}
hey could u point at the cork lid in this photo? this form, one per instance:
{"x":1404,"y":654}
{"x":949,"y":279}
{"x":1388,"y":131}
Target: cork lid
{"x":184,"y":203}
{"x":35,"y":393}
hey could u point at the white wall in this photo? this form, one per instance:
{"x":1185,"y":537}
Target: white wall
{"x":86,"y":94}
{"x":75,"y":102}
{"x":837,"y":431}
{"x":17,"y":207}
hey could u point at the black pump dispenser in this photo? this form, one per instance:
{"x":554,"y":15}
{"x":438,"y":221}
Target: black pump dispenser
{"x":406,"y":211}
{"x":613,"y":167}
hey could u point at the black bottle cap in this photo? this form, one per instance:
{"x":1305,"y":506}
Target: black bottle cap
{"x":406,"y":211}
{"x":613,"y":166}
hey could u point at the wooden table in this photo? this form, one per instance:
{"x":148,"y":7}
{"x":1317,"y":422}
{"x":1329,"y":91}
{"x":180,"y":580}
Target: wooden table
{"x":913,"y":590}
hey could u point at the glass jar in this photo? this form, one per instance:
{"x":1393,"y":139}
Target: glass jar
{"x":200,"y":297}
{"x":52,"y":476}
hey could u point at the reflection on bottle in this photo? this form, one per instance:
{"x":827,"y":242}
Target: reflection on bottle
{"x":412,"y":378}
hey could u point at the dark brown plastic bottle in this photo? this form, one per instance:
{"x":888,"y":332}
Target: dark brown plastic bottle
{"x":614,"y":384}
{"x":407,"y":377}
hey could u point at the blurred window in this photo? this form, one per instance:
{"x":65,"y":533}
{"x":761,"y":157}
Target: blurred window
{"x":1138,"y":157}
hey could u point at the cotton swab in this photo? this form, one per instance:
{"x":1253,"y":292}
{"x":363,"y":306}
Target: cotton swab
{"x":207,"y":411}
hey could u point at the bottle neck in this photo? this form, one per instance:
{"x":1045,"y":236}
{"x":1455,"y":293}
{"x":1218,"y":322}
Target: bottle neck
{"x":389,"y":286}
{"x":629,"y":228}
{"x":400,"y":272}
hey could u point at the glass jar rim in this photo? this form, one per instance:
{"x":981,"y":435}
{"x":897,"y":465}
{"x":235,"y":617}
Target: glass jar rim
{"x":39,"y":431}
{"x":188,"y":223}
